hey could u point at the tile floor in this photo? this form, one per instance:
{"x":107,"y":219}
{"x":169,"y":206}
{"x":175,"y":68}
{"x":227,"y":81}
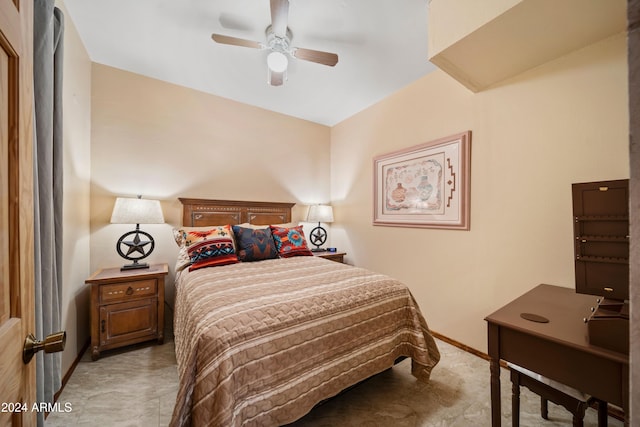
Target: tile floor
{"x":137,"y":387}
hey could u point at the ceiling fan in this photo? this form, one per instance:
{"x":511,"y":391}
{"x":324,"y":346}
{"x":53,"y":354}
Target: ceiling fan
{"x":278,"y":41}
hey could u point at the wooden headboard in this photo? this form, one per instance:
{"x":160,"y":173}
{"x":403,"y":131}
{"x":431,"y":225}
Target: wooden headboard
{"x":204,"y":212}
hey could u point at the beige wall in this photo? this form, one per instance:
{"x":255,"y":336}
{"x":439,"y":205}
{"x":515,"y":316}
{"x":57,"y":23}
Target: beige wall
{"x":77,"y":147}
{"x":459,"y":18}
{"x":164,"y":141}
{"x":533,"y":135}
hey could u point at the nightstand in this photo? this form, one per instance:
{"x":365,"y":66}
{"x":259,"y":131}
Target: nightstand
{"x":127,"y":307}
{"x":333,"y":256}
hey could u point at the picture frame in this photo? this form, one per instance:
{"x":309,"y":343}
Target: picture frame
{"x":425,"y":186}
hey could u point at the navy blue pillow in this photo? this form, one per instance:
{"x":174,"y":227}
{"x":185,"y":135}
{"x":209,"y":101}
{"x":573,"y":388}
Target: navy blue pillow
{"x":254,"y":244}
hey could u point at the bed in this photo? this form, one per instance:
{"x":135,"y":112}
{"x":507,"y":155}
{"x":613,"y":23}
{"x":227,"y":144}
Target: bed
{"x":261,"y":343}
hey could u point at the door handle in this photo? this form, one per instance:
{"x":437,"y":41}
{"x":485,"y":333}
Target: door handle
{"x":51,"y":344}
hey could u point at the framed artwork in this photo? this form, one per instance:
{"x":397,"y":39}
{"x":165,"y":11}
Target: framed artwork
{"x":427,"y":185}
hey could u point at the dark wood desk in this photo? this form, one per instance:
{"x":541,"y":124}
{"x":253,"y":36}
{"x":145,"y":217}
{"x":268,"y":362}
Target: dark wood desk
{"x":558,"y":350}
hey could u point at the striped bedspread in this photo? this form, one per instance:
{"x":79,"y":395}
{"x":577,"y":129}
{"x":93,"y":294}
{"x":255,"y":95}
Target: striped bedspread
{"x":261,"y":343}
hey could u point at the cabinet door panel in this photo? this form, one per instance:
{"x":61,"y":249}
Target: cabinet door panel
{"x":128,"y":322}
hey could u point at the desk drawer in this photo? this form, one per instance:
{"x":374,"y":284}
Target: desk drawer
{"x":588,"y":372}
{"x":125,"y":291}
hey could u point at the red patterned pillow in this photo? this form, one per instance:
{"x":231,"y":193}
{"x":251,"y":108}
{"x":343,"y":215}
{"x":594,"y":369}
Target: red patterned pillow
{"x":290,"y":241}
{"x":211,"y":253}
{"x":187,"y":236}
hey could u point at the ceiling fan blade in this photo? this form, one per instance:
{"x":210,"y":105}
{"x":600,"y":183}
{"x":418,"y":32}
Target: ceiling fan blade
{"x":219,"y":38}
{"x":276,"y":78}
{"x":320,"y":57}
{"x":279,"y":15}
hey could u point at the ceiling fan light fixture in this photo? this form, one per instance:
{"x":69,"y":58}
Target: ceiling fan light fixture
{"x":278,"y":45}
{"x":277,"y":62}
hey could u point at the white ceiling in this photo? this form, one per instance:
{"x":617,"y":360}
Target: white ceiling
{"x":381,"y":44}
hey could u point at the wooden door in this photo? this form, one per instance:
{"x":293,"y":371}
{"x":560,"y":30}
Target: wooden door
{"x":17,"y":380}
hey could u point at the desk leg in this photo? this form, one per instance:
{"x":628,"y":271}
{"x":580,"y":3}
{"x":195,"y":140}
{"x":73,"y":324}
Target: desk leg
{"x":515,"y":398}
{"x":494,"y":366}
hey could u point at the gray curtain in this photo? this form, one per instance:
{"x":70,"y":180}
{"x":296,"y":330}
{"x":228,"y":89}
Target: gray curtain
{"x":47,"y":75}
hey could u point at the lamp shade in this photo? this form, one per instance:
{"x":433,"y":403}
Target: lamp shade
{"x":137,"y":211}
{"x":320,"y":213}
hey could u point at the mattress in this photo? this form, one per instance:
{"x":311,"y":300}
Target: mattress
{"x":261,"y":343}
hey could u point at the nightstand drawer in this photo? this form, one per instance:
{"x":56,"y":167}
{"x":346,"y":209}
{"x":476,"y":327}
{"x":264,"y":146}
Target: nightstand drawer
{"x":128,"y":290}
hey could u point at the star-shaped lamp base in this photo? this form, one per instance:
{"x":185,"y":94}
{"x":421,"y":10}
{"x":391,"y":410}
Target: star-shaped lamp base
{"x":136,"y":248}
